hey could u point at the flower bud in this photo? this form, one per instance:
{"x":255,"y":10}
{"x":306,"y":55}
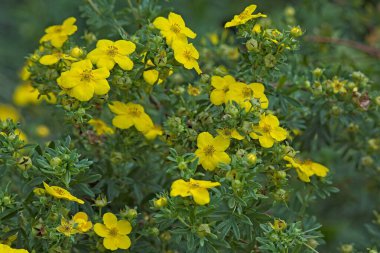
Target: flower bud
{"x":270,"y":61}
{"x":367,"y":161}
{"x":251,"y":45}
{"x":280,"y":174}
{"x":377,"y":100}
{"x":166,"y":236}
{"x":280,"y":195}
{"x":317,"y":72}
{"x":55,"y":161}
{"x":279,"y":225}
{"x":161,"y":202}
{"x":76,"y":52}
{"x":252,"y":158}
{"x":101,"y":201}
{"x":347,"y":248}
{"x":205,"y":78}
{"x":182,"y":165}
{"x":203,"y":230}
{"x":42,"y":131}
{"x":296,"y":31}
{"x":131,"y":214}
{"x":24,"y":163}
{"x":154,"y":231}
{"x":241,"y":152}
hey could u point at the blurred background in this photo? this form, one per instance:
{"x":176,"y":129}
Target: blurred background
{"x":357,"y":22}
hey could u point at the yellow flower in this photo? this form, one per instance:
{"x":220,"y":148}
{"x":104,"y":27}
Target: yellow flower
{"x":67,"y":227}
{"x":152,"y":76}
{"x":161,"y":202}
{"x":114,"y":232}
{"x":107,"y":53}
{"x":130,"y":114}
{"x":55,"y":57}
{"x":58,"y":34}
{"x":195,"y":188}
{"x":230,"y":133}
{"x":25,"y":73}
{"x":153,"y":132}
{"x":245,"y":16}
{"x":296,"y":31}
{"x":211,"y":150}
{"x":8,"y":112}
{"x":82,"y":82}
{"x":81,"y":222}
{"x":100,"y":127}
{"x":222,"y":86}
{"x":6,"y":249}
{"x":268,"y":131}
{"x":26,"y":94}
{"x":187,"y":55}
{"x":42,"y":131}
{"x":61,"y":193}
{"x":173,"y":28}
{"x":306,"y":169}
{"x":243,"y":93}
{"x":193,"y":90}
{"x":338,"y":85}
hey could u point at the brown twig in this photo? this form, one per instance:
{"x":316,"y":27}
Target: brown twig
{"x":371,"y":51}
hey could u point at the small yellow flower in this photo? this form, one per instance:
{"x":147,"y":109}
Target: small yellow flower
{"x":114,"y":232}
{"x":39,"y":191}
{"x":306,"y":169}
{"x":245,"y":16}
{"x":9,"y":112}
{"x":211,"y":150}
{"x":42,"y":131}
{"x":7,"y":249}
{"x":242,"y":94}
{"x":222,"y":86}
{"x":82,"y":82}
{"x":268,"y":131}
{"x":55,"y":57}
{"x":130,"y":114}
{"x":58,"y":34}
{"x":161,"y":202}
{"x":100,"y":127}
{"x":338,"y":85}
{"x":67,"y":227}
{"x":107,"y":53}
{"x":195,"y":188}
{"x":193,"y":90}
{"x":230,"y":133}
{"x":187,"y":55}
{"x":61,"y":193}
{"x":82,"y":224}
{"x":153,"y":132}
{"x":173,"y":28}
{"x":26,"y":94}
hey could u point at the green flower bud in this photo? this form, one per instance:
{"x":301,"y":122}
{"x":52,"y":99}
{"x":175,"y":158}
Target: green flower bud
{"x":231,"y":110}
{"x":7,"y":200}
{"x":317,"y":72}
{"x":377,"y":100}
{"x":203,"y":230}
{"x":367,"y":161}
{"x":24,"y":163}
{"x":270,"y":61}
{"x":347,"y":248}
{"x":55,"y":161}
{"x":161,"y":202}
{"x":280,"y":195}
{"x":182,"y":165}
{"x":154,"y":231}
{"x":252,"y":158}
{"x":101,"y":201}
{"x":166,"y":236}
{"x":296,"y":31}
{"x":116,"y":157}
{"x":205,"y":78}
{"x":131,"y":214}
{"x":252,"y":45}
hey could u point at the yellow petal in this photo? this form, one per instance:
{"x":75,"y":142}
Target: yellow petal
{"x":124,"y":227}
{"x":111,"y":243}
{"x":118,"y":107}
{"x":221,"y":143}
{"x":143,"y":123}
{"x":82,"y":92}
{"x":110,"y":220}
{"x":218,"y":97}
{"x":101,"y":73}
{"x":124,"y":242}
{"x":49,"y":59}
{"x":101,"y":230}
{"x":266,"y":141}
{"x":208,"y":163}
{"x":201,"y":196}
{"x":124,"y":62}
{"x":105,"y":62}
{"x":204,"y":139}
{"x":161,"y":23}
{"x":104,"y":44}
{"x":319,"y":169}
{"x":222,"y":157}
{"x":122,"y":122}
{"x":80,"y":215}
{"x":125,"y":47}
{"x":180,"y":188}
{"x":279,"y":133}
{"x":204,"y":183}
{"x":101,"y":87}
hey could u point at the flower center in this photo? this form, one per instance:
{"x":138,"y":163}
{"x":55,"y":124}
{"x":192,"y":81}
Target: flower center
{"x":187,"y":55}
{"x":134,"y":112}
{"x":267,"y":128}
{"x":209,"y":150}
{"x":113,"y":232}
{"x":112,"y":51}
{"x":86,"y":75}
{"x":58,"y":29}
{"x":60,"y":192}
{"x":247,"y":92}
{"x":244,"y":15}
{"x":227,"y":132}
{"x":175,"y":28}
